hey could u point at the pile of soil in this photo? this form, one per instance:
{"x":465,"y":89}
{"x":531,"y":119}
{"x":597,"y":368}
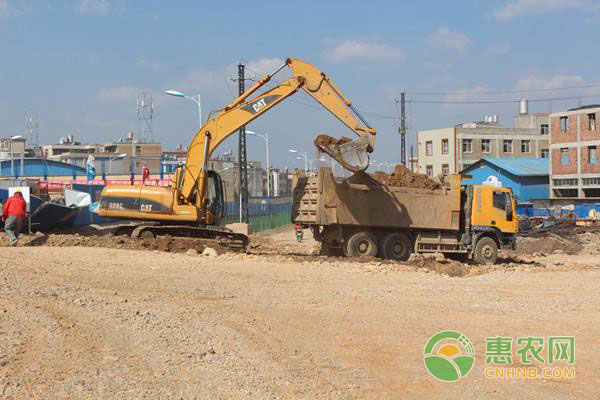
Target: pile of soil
{"x":161,"y":243}
{"x":326,"y":140}
{"x":403,"y":177}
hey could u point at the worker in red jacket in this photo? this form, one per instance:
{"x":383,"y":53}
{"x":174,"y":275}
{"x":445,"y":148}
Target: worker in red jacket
{"x":13,"y":214}
{"x":145,"y":173}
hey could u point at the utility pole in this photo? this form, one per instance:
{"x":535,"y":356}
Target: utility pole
{"x":402,"y":129}
{"x":243,"y":162}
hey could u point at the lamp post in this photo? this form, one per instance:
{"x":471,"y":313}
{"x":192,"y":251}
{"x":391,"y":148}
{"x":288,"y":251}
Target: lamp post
{"x":12,"y":156}
{"x":114,"y":158}
{"x":193,"y":98}
{"x":265,"y":137}
{"x":303,"y":155}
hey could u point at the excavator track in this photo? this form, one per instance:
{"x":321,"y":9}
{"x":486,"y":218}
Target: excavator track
{"x":223,"y":237}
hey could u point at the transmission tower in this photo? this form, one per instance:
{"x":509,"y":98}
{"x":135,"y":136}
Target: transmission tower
{"x":31,"y":131}
{"x":145,"y":111}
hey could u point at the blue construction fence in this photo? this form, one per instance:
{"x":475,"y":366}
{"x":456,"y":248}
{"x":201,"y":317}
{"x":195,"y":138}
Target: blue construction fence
{"x":581,"y":211}
{"x":264,"y":213}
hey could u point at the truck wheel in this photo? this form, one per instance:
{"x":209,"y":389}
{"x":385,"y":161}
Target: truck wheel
{"x":396,"y":246}
{"x":361,"y":244}
{"x":486,"y":251}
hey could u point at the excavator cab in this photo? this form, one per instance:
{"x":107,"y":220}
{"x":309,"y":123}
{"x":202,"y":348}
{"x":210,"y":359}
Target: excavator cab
{"x":215,"y":198}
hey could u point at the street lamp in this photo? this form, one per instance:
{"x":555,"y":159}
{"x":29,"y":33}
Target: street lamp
{"x":193,"y":98}
{"x":265,"y":137}
{"x":114,"y":158}
{"x":12,"y":161}
{"x":303,"y":155}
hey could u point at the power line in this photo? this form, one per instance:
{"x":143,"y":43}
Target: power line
{"x":501,"y":101}
{"x":470,"y":93}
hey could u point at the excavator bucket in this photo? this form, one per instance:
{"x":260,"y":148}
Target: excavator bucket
{"x":350,"y":154}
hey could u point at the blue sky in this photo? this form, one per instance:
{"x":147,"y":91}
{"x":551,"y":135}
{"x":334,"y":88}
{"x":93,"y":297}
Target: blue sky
{"x":78,"y":65}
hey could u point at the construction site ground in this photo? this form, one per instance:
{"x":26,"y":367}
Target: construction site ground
{"x":93,"y":317}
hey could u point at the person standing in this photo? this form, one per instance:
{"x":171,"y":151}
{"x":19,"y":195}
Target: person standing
{"x":145,"y":173}
{"x":13,"y":214}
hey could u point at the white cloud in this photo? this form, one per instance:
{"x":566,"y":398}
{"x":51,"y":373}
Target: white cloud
{"x":557,"y":81}
{"x":218,"y":83}
{"x":93,"y":7}
{"x":263,"y":66}
{"x":152,"y":65}
{"x":462,"y":95}
{"x":444,"y":38}
{"x":497,"y":49}
{"x":4,"y":9}
{"x":520,"y":8}
{"x":360,"y":50}
{"x":120,"y":94}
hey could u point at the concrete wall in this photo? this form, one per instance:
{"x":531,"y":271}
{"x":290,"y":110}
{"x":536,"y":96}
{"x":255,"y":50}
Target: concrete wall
{"x":532,"y":121}
{"x":437,"y":159}
{"x":457,"y":160}
{"x":496,"y":136}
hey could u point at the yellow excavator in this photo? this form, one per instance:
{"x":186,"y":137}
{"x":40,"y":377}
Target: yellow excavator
{"x":194,"y":203}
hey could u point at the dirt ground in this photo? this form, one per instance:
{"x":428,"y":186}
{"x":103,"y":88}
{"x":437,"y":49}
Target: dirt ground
{"x":84,"y":319}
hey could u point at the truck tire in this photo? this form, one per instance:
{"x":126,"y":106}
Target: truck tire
{"x":486,"y":251}
{"x":396,"y":246}
{"x":361,"y":244}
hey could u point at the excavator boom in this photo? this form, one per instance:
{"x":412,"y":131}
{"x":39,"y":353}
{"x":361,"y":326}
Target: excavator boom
{"x":241,"y":111}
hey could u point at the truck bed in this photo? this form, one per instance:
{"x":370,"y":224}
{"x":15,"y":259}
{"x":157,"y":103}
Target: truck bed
{"x":361,"y":200}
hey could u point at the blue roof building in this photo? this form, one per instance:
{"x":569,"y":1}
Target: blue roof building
{"x":527,"y":177}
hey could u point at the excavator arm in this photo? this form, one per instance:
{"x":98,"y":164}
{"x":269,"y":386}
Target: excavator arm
{"x":352,"y":154}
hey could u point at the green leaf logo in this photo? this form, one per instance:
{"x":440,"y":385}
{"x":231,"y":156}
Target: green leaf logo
{"x":449,"y":356}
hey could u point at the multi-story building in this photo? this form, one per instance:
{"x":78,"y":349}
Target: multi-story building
{"x":118,"y":158}
{"x":450,"y":150}
{"x":575,"y":140}
{"x":12,"y":147}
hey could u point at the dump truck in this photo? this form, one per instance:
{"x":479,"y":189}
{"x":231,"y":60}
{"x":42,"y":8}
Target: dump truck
{"x":359,"y":216}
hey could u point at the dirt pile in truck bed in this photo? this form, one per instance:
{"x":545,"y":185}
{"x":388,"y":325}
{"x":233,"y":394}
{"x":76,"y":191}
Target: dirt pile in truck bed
{"x":403,"y":177}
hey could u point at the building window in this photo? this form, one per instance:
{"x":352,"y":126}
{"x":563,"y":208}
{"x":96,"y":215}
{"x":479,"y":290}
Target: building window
{"x":445,"y":169}
{"x":544,"y":129}
{"x":591,"y":181}
{"x":430,"y":170}
{"x":429,"y":147}
{"x":563,"y":124}
{"x":467,"y":145}
{"x":138,"y":149}
{"x":486,"y":146}
{"x":592,"y":154}
{"x":565,"y":182}
{"x":525,"y":146}
{"x":444,"y":146}
{"x":545,"y":153}
{"x":564,"y":156}
{"x":507,"y":146}
{"x":591,"y":122}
